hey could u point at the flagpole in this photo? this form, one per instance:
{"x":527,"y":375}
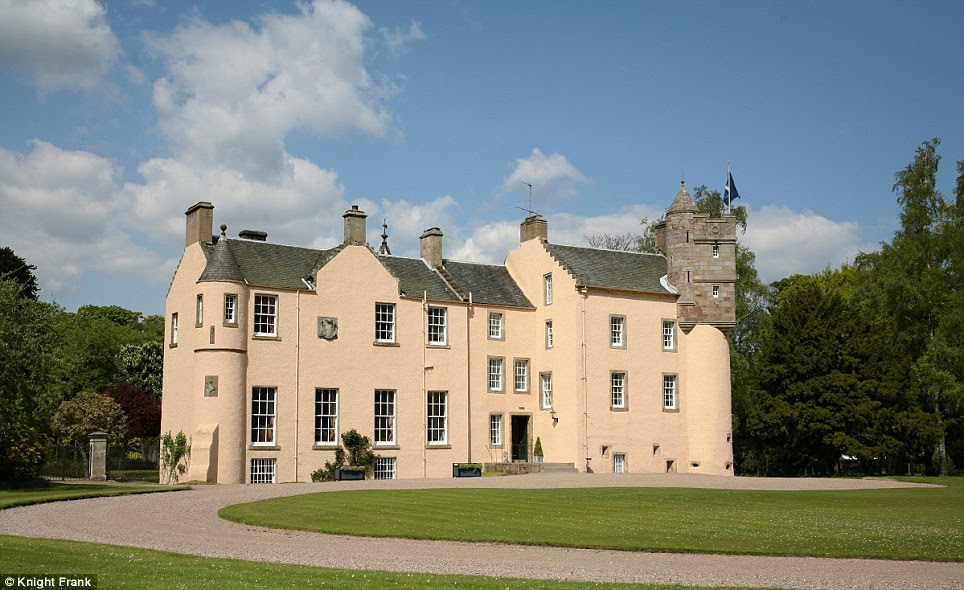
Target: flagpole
{"x":728,"y":189}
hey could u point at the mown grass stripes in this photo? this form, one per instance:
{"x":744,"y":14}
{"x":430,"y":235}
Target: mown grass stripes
{"x":917,"y":523}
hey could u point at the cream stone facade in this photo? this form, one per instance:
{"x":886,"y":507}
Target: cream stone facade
{"x":616,"y":361}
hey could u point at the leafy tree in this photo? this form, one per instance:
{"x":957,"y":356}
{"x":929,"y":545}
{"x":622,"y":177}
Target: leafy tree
{"x":14,"y":268}
{"x":143,"y":365}
{"x":26,"y":362}
{"x":830,"y":386}
{"x":917,"y":282}
{"x":142,"y":409}
{"x":89,"y":412}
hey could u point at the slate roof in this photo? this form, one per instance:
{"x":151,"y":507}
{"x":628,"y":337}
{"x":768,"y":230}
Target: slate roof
{"x":488,"y":283}
{"x":612,"y":269}
{"x":415,"y":278}
{"x":260,"y":263}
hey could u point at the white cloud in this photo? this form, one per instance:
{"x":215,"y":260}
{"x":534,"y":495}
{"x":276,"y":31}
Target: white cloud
{"x":787,"y":241}
{"x":552,"y":177}
{"x":63,"y":214}
{"x":57,"y":43}
{"x":406,"y":222}
{"x":397,"y":40}
{"x":234,"y":91}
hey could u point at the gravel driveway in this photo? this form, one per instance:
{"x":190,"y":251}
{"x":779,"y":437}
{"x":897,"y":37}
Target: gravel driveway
{"x":187,"y":522}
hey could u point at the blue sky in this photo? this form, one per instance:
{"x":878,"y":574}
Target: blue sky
{"x":118,"y":116}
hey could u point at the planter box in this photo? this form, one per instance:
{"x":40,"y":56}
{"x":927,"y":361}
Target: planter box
{"x":466,"y":472}
{"x":346,"y":475}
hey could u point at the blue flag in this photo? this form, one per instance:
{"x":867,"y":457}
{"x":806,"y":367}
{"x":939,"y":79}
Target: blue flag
{"x":729,"y":191}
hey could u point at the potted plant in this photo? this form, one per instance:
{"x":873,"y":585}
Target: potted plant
{"x":537,"y":452}
{"x":351,"y":463}
{"x":466,"y":470}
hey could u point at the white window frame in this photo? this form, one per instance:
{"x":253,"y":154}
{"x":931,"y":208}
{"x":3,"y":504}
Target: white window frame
{"x":547,"y":283}
{"x":716,"y":250}
{"x":265,"y":314}
{"x":230,"y":309}
{"x":669,"y":335}
{"x":437,"y":418}
{"x":263,"y":470}
{"x":617,"y":331}
{"x":520,"y":375}
{"x":264,"y":412}
{"x":495,"y":430}
{"x":496,"y":325}
{"x":496,"y":373}
{"x":437,"y":326}
{"x":174,"y":329}
{"x":617,"y":389}
{"x":716,"y":291}
{"x":545,"y":390}
{"x":670,"y":392}
{"x":385,"y":468}
{"x":385,"y":322}
{"x":619,"y":462}
{"x":386,"y":411}
{"x":549,"y":337}
{"x":326,"y":416}
{"x":199,"y":311}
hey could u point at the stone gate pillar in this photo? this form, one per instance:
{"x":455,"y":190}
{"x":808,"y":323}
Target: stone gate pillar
{"x":98,"y":456}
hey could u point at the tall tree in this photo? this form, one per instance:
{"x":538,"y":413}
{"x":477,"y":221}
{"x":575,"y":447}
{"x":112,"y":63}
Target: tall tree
{"x":26,"y":361}
{"x":14,"y":268}
{"x":917,"y":276}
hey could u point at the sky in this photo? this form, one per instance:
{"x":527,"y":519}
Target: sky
{"x":118,"y":116}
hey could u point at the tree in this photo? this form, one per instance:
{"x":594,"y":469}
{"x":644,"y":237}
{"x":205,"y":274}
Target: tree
{"x":143,"y":365}
{"x":89,"y":412}
{"x":14,"y":268}
{"x":142,"y":410}
{"x":917,"y":280}
{"x":830,"y":386}
{"x":26,"y":362}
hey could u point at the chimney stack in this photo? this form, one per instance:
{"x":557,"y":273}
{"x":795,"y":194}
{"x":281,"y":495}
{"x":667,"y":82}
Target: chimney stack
{"x":430,"y":246}
{"x":355,"y":229}
{"x":534,"y":226}
{"x":200,"y":224}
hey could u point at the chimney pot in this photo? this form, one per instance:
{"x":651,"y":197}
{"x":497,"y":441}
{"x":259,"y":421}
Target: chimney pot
{"x":355,"y":228}
{"x":200,"y":224}
{"x":430,"y":246}
{"x":534,"y":226}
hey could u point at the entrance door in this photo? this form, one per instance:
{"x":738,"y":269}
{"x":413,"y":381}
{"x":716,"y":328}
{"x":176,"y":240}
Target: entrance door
{"x":520,"y":438}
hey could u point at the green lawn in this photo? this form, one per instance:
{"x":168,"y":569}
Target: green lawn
{"x":52,"y":492}
{"x":123,"y":567}
{"x":922,"y":523}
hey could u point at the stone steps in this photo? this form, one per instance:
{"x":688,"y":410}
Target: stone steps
{"x":559,"y":468}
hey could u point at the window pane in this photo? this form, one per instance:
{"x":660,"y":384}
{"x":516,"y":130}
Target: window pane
{"x":437,"y":417}
{"x":385,"y":322}
{"x":546,"y":382}
{"x":522,"y":375}
{"x":616,"y":331}
{"x":384,"y":416}
{"x":326,"y":416}
{"x":263,"y":415}
{"x":495,"y":430}
{"x":436,"y":325}
{"x":495,"y":326}
{"x":230,"y":307}
{"x":385,"y":468}
{"x":496,"y":367}
{"x":669,"y":392}
{"x":262,"y":470}
{"x":669,"y":335}
{"x":618,"y":389}
{"x":265,"y":315}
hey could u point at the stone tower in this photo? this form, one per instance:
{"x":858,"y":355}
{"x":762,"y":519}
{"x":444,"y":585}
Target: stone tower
{"x":700,"y":263}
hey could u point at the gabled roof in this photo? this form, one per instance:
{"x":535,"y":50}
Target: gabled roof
{"x":488,"y":283}
{"x":612,"y":269}
{"x":260,"y":263}
{"x":415,"y":278}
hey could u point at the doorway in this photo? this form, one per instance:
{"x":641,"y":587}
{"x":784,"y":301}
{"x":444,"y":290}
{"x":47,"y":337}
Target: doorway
{"x":520,"y":439}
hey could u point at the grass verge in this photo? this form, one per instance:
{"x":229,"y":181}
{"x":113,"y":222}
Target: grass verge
{"x":53,"y":492}
{"x":124,"y":567}
{"x":913,"y":523}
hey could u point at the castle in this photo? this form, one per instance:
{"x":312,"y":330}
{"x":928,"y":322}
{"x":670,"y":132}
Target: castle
{"x":616,"y":361}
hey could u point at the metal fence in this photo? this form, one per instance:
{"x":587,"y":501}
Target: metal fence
{"x":136,"y":461}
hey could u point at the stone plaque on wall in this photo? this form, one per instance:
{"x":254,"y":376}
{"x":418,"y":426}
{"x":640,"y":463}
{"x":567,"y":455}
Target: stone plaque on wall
{"x":328,"y":328}
{"x":211,"y":386}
